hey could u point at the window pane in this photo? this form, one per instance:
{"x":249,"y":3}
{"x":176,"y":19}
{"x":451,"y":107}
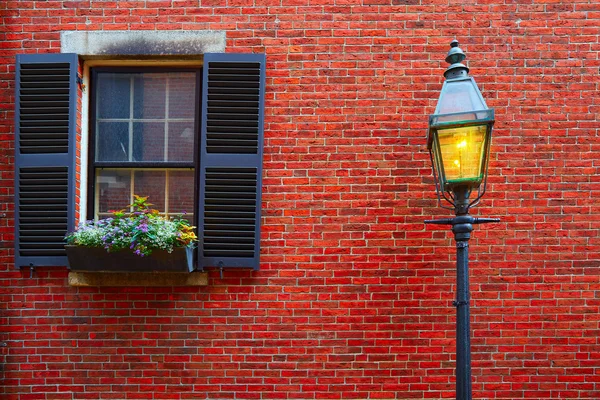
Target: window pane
{"x":149,"y":96}
{"x":151,"y":184}
{"x":148,"y":141}
{"x":181,"y":141}
{"x":114,"y":189}
{"x":182,"y":95}
{"x":181,"y":193}
{"x":112,"y":95}
{"x":112,"y":141}
{"x":145,"y":117}
{"x":163,"y":114}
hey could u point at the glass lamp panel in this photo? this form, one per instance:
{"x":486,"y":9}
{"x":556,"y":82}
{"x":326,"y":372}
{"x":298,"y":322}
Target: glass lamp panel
{"x":460,"y":96}
{"x":437,"y":160}
{"x":462,"y":151}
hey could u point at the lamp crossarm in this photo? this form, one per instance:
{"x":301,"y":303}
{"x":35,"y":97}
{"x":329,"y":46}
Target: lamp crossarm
{"x":445,"y":221}
{"x":485,"y":220}
{"x":462,"y":219}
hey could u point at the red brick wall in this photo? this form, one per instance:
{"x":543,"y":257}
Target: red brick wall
{"x":354,"y":296}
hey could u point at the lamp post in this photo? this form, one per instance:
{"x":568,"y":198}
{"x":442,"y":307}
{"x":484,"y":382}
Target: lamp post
{"x":459,"y":144}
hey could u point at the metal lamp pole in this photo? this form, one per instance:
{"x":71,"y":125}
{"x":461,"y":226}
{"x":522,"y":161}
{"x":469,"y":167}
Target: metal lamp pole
{"x":462,"y":225}
{"x":459,"y":143}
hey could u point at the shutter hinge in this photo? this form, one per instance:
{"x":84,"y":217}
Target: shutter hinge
{"x":31,"y":270}
{"x":79,"y":81}
{"x":220,"y":265}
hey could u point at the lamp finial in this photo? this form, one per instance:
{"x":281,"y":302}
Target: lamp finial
{"x":455,"y":57}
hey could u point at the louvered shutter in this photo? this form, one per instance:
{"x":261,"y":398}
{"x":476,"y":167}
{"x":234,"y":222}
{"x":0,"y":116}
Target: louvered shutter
{"x":45,"y":110}
{"x":231,"y":140}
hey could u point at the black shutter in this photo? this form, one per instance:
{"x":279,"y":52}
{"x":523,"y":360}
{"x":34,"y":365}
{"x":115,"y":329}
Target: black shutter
{"x":231,"y":138}
{"x":45,"y":112}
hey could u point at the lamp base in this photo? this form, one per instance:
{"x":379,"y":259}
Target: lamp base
{"x":461,"y":199}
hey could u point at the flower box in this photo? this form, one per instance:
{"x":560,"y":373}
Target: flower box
{"x":96,"y":259}
{"x":138,"y":240}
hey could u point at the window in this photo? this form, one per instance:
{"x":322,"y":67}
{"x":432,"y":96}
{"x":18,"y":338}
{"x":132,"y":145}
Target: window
{"x":144,"y":130}
{"x":191,"y":139}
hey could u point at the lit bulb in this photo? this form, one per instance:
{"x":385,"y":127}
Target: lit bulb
{"x":457,"y":163}
{"x":462,"y":144}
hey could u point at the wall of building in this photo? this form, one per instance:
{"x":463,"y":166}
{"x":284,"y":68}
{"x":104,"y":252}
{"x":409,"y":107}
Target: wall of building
{"x":354,"y":296}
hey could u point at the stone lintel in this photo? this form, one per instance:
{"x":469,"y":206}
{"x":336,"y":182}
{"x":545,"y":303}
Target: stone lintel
{"x":94,"y":44}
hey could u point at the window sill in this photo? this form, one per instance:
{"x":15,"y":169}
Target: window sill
{"x":148,"y":279}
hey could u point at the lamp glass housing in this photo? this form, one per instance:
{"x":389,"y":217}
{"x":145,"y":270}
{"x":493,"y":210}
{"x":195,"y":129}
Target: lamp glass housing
{"x":459,"y":96}
{"x":462,"y":154}
{"x":460,"y":135}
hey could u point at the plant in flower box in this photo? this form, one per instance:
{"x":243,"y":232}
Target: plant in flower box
{"x":136,"y":240}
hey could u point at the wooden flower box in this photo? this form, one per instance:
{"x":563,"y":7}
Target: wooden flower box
{"x":94,"y":259}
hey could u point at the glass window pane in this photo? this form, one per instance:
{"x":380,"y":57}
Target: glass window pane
{"x":151,"y":184}
{"x":148,"y":141}
{"x":181,"y":141}
{"x":112,"y":141}
{"x":145,"y":117}
{"x":114,"y":189}
{"x":182,"y":95}
{"x":181,"y":193}
{"x":112,"y":95}
{"x":114,"y":192}
{"x":149,"y":96}
{"x":164,"y":107}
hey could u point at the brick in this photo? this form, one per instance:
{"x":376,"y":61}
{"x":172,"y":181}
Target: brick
{"x":354,"y":296}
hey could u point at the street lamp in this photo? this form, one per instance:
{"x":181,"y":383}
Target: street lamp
{"x":459,"y":139}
